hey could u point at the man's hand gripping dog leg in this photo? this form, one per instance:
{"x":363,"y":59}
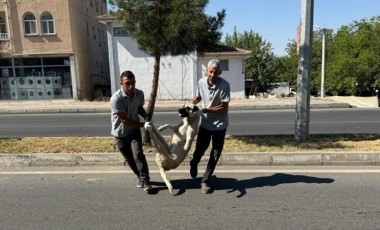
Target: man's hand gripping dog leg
{"x":148,"y":126}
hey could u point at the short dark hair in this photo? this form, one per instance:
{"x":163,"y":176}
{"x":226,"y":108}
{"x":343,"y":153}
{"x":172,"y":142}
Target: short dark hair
{"x":127,"y":74}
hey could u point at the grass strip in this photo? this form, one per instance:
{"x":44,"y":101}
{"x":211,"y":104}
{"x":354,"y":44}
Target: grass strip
{"x":261,"y":143}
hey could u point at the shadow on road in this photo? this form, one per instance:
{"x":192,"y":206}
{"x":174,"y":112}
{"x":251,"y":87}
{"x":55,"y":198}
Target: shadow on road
{"x":232,"y":185}
{"x":273,"y":180}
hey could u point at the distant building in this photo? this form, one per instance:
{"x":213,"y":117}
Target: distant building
{"x":52,"y":49}
{"x":178,"y":74}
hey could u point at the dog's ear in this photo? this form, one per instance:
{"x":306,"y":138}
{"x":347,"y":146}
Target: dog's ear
{"x":184,"y":112}
{"x":195,"y":108}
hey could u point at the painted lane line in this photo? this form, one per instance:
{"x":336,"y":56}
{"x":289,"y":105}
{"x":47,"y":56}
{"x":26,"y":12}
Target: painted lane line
{"x":186,"y":171}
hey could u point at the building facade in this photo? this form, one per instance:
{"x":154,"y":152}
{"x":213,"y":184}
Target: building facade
{"x":179,"y":75}
{"x":53,"y":49}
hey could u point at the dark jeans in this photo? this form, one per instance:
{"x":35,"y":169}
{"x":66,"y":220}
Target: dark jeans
{"x":131,"y":149}
{"x":203,"y":141}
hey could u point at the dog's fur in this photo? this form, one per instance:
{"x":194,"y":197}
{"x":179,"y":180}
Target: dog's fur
{"x":170,"y":156}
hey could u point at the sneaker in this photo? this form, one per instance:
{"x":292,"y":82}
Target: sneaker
{"x":205,"y":188}
{"x":140,"y":184}
{"x":193,"y":171}
{"x":147,"y":186}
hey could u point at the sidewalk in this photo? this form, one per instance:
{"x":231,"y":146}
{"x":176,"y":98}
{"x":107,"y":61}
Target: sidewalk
{"x":74,"y":106}
{"x":110,"y":159}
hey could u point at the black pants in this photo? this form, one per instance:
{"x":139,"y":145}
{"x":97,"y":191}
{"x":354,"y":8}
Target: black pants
{"x":203,"y":141}
{"x":131,"y":149}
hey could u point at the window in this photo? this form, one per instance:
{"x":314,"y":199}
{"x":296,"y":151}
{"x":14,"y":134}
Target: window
{"x":224,"y":65}
{"x":100,"y":38}
{"x":3,"y":31}
{"x":119,"y":32}
{"x":104,"y":37}
{"x":47,"y":23}
{"x":29,"y":24}
{"x":93,"y":33}
{"x":6,"y":67}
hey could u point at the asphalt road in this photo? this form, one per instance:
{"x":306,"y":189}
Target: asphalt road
{"x":244,"y":198}
{"x":324,"y":121}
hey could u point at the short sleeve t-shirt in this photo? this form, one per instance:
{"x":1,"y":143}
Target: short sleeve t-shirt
{"x":120,"y":102}
{"x":213,"y":96}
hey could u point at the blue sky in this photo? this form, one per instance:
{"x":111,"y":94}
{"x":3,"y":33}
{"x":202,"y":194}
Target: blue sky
{"x":276,"y":20}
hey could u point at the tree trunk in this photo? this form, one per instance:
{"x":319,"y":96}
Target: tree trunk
{"x":153,"y":95}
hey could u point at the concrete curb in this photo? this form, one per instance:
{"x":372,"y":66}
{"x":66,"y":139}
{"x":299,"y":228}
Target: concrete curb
{"x":171,"y":108}
{"x":254,"y":159}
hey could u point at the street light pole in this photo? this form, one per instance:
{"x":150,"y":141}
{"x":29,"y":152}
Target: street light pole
{"x":304,"y":71}
{"x":323,"y":67}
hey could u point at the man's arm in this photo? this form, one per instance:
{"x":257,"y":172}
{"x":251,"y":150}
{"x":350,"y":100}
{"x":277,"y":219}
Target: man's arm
{"x":142,"y":112}
{"x":196,"y":100}
{"x":129,"y":122}
{"x":217,"y":109}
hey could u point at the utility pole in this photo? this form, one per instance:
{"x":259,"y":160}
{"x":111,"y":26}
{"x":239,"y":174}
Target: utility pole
{"x":304,"y":71}
{"x":323,"y":67}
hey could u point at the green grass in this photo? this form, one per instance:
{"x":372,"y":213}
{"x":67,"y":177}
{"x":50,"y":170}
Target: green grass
{"x":269,"y":143}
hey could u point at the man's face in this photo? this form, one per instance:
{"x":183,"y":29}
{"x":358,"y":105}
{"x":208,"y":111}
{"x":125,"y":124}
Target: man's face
{"x":128,"y":85}
{"x":213,"y":73}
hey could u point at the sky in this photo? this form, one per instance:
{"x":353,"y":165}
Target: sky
{"x":276,"y":20}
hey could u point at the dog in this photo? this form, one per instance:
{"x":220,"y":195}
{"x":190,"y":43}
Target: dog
{"x":170,"y":156}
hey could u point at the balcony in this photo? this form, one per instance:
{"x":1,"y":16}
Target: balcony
{"x":4,"y":43}
{"x":4,"y":37}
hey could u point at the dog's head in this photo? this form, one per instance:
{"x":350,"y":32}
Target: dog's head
{"x":188,"y":111}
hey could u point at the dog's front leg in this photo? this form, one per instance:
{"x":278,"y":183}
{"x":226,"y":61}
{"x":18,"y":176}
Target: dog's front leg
{"x":175,"y":129}
{"x":167,"y":182}
{"x":189,"y":140}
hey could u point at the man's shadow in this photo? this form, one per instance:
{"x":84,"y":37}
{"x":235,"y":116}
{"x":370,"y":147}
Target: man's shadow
{"x":232,"y":185}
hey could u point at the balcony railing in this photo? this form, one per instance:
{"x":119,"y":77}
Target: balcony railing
{"x":3,"y":36}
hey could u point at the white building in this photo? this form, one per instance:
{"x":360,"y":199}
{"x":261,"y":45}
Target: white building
{"x":178,"y":74}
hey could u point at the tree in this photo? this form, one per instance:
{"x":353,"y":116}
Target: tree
{"x":286,"y":66}
{"x":354,"y":63}
{"x":259,"y":65}
{"x":168,"y":27}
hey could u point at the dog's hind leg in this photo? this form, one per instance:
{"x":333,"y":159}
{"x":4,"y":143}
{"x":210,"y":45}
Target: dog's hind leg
{"x":160,"y":143}
{"x":167,"y":182}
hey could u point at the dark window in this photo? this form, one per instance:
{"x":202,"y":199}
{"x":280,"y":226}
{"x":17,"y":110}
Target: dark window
{"x":3,"y":29}
{"x":224,"y":65}
{"x":47,"y":23}
{"x":56,"y":61}
{"x":29,"y":24}
{"x":28,"y":61}
{"x":119,"y":32}
{"x":5,"y":62}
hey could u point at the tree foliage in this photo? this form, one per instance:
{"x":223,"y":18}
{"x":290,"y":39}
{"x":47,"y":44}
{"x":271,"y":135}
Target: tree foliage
{"x":259,"y":67}
{"x":353,"y":65}
{"x":169,"y":27}
{"x":286,"y":66}
{"x":352,"y":59}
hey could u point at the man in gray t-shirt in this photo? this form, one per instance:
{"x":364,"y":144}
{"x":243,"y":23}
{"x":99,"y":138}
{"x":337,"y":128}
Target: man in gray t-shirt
{"x":215,"y":94}
{"x":126,"y":106}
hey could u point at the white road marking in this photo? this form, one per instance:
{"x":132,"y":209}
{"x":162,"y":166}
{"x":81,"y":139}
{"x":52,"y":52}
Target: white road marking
{"x":187,"y":171}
